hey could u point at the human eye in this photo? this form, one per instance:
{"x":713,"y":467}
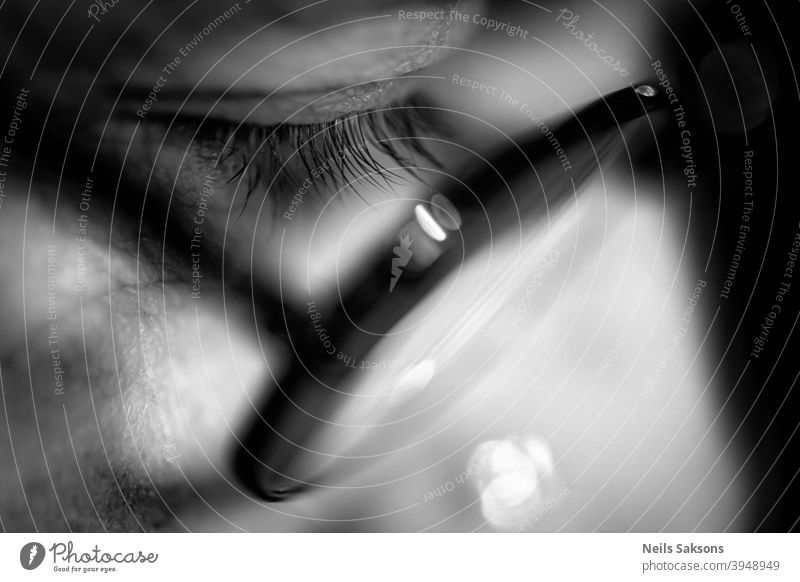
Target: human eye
{"x":289,"y":165}
{"x":160,"y":374}
{"x":368,"y":266}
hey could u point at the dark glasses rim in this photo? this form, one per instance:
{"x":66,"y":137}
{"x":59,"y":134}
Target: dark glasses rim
{"x":283,"y":426}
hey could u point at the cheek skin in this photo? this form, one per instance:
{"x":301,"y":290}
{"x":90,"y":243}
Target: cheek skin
{"x":154,"y":384}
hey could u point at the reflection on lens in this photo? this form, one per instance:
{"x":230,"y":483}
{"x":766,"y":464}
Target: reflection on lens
{"x":513,"y":480}
{"x":416,"y":379}
{"x":445,"y":212}
{"x":646,"y":90}
{"x":429,"y":224}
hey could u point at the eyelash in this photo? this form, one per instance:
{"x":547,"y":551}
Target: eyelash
{"x":261,"y":157}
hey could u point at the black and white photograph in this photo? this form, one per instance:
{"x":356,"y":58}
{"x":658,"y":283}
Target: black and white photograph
{"x":400,"y":267}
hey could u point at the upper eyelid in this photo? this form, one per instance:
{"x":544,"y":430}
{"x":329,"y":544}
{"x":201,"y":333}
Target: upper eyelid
{"x":294,"y":107}
{"x":184,"y":119}
{"x":264,"y":163}
{"x":174,"y":154}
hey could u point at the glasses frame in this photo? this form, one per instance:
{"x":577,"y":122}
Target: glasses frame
{"x":279,"y":441}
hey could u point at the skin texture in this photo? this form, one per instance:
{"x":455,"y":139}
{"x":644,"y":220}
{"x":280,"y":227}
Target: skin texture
{"x":155,"y":384}
{"x":158,"y":384}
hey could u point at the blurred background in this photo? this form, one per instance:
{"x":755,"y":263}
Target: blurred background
{"x":613,"y":364}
